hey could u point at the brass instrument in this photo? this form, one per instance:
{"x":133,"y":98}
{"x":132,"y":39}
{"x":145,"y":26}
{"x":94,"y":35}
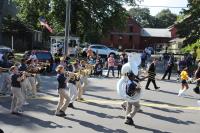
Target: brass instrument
{"x":72,"y":76}
{"x":4,"y":69}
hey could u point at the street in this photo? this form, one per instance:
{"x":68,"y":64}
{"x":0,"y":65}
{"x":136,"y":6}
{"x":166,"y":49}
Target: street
{"x":162,"y":111}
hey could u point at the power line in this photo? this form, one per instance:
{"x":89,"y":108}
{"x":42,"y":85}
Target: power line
{"x":163,"y":6}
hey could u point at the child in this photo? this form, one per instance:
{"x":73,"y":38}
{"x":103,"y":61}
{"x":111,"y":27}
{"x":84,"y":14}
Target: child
{"x":17,"y":99}
{"x":132,"y":88}
{"x":61,"y":108}
{"x":184,"y":77}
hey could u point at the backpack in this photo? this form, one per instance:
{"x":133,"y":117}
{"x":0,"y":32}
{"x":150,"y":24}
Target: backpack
{"x":131,"y":89}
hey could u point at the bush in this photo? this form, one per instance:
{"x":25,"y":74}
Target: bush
{"x":191,"y":47}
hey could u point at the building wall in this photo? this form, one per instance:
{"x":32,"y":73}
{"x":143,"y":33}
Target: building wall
{"x":130,"y":37}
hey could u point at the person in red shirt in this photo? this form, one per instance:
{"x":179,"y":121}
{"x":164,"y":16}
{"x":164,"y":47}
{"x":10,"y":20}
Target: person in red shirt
{"x":111,"y":65}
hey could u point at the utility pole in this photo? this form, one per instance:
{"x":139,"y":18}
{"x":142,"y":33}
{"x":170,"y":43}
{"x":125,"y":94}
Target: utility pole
{"x":67,"y":26}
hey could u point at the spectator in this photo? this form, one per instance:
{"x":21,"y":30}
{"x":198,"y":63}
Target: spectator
{"x":90,"y":53}
{"x":119,"y":66}
{"x":111,"y":65}
{"x":143,"y":59}
{"x":169,"y":67}
{"x":165,"y":60}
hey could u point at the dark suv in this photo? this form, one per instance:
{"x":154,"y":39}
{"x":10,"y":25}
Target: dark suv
{"x":42,"y":56}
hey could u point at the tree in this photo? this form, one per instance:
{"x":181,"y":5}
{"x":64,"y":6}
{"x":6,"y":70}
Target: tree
{"x":165,"y":18}
{"x":142,"y":15}
{"x":88,"y":17}
{"x":188,"y":27}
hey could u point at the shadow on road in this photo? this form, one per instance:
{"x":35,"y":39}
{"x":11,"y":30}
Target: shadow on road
{"x":149,"y":129}
{"x":102,"y":106}
{"x":27,"y":121}
{"x":101,"y":115}
{"x":168,"y":119}
{"x":165,"y":103}
{"x":97,"y":128}
{"x":101,"y":97}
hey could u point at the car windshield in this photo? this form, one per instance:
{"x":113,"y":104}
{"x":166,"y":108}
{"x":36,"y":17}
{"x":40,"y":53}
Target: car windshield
{"x":43,"y":56}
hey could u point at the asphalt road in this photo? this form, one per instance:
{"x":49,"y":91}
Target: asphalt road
{"x":162,"y":112}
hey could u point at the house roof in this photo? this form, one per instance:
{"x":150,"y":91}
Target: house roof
{"x":155,"y":32}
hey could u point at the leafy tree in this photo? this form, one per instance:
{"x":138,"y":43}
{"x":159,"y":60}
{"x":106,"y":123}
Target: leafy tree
{"x":188,"y":27}
{"x":165,"y":18}
{"x":142,"y":15}
{"x":90,"y":19}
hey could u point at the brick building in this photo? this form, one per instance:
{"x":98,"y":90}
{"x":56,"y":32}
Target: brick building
{"x":136,"y":37}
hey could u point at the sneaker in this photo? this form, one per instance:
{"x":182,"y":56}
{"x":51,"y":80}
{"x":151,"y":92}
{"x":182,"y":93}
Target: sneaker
{"x":62,"y":113}
{"x":129,"y":121}
{"x":147,"y":89}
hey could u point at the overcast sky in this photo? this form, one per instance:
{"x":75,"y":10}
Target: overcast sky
{"x":155,"y":10}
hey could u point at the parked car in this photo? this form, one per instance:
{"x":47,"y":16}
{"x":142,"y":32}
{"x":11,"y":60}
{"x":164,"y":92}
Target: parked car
{"x":102,"y":50}
{"x":42,"y":56}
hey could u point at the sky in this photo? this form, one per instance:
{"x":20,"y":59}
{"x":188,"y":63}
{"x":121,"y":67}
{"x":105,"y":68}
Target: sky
{"x":171,"y":3}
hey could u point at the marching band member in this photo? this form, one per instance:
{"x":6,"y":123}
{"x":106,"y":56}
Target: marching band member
{"x":37,"y":77}
{"x":17,"y":99}
{"x":132,"y":88}
{"x":83,"y":81}
{"x":32,"y":78}
{"x":25,"y":84}
{"x":61,"y":107}
{"x":6,"y":82}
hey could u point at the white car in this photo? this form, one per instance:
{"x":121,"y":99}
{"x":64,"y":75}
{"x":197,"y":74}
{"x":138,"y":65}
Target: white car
{"x":102,"y":49}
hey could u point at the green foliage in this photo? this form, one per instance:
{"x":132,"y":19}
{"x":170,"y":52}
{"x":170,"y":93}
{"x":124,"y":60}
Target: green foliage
{"x":188,"y":27}
{"x":90,"y":19}
{"x":192,"y":47}
{"x":163,"y":19}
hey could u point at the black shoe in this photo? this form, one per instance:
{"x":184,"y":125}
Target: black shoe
{"x":62,"y":113}
{"x":147,"y":89}
{"x":16,"y":113}
{"x":129,"y":121}
{"x":71,"y":105}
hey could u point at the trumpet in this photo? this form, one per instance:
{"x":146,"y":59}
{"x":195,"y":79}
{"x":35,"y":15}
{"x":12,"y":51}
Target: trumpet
{"x":4,"y":69}
{"x":72,"y":76}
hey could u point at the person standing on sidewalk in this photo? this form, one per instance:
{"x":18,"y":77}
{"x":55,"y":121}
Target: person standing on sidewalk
{"x":169,"y":67}
{"x":111,"y":65}
{"x":151,"y":75}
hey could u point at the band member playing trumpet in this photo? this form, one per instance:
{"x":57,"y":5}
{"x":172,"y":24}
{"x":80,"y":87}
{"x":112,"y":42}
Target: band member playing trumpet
{"x":6,"y":82}
{"x":32,"y":69}
{"x":25,"y":84}
{"x":17,"y":99}
{"x":62,"y":80}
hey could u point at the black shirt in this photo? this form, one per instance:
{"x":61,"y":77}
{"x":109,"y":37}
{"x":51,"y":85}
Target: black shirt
{"x":61,"y":81}
{"x":14,"y":82}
